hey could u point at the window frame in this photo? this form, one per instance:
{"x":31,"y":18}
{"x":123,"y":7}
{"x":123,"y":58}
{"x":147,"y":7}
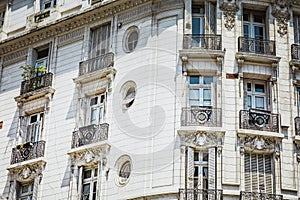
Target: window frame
{"x":296,"y":23}
{"x":100,"y":106}
{"x":91,"y":181}
{"x":100,"y":37}
{"x":22,"y":195}
{"x":37,"y":126}
{"x":253,"y":94}
{"x":201,"y":165}
{"x":252,"y":24}
{"x":126,"y":43}
{"x":201,"y":87}
{"x":43,"y":4}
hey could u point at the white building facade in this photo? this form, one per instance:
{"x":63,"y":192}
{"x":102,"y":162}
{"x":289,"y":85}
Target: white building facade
{"x":149,"y":99}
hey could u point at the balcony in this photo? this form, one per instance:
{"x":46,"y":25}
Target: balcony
{"x":209,"y":42}
{"x":257,"y":46}
{"x":258,"y":196}
{"x":90,"y":134}
{"x":36,"y":83}
{"x":201,"y":116}
{"x":259,"y":120}
{"x":200,"y":194}
{"x":95,"y":64}
{"x":27,"y":151}
{"x":295,"y":51}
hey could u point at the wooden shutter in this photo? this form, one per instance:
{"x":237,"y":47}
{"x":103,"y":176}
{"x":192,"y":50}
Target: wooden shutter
{"x":268,"y":174}
{"x":245,"y":95}
{"x":212,"y":168}
{"x":34,"y":57}
{"x":247,"y":172}
{"x":190,"y":168}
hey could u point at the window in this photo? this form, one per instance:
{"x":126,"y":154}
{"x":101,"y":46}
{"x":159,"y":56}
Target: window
{"x":297,"y":28}
{"x":131,"y":39}
{"x":40,"y":60}
{"x":25,"y":191}
{"x":124,"y":172}
{"x":97,"y":109}
{"x":2,"y":15}
{"x":47,"y":4}
{"x":254,"y":24}
{"x":100,"y":43}
{"x":201,"y":91}
{"x":201,"y":169}
{"x":128,"y":94}
{"x":89,"y":184}
{"x":256,"y":95}
{"x":258,"y":173}
{"x":34,"y":128}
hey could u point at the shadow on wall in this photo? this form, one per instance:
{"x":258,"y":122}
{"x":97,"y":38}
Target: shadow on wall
{"x":12,"y":132}
{"x":67,"y":175}
{"x":5,"y":193}
{"x":18,"y":4}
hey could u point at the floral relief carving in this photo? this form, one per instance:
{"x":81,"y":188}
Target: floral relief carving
{"x":203,"y":139}
{"x":259,"y":144}
{"x":230,"y":8}
{"x":27,"y":172}
{"x":281,"y":11}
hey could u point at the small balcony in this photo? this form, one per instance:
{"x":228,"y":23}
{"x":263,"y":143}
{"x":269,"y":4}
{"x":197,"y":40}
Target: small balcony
{"x":27,"y":151}
{"x":295,"y":51}
{"x":257,"y":46}
{"x":36,"y":83}
{"x":202,"y":41}
{"x":259,"y":120}
{"x":95,"y":64}
{"x":90,"y":134}
{"x":201,"y":116}
{"x":258,"y":196}
{"x":200,"y":194}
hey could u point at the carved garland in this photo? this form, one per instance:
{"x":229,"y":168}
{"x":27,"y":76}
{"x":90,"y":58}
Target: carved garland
{"x":259,"y":144}
{"x":27,"y":173}
{"x":230,"y":8}
{"x":281,"y":11}
{"x":203,"y":139}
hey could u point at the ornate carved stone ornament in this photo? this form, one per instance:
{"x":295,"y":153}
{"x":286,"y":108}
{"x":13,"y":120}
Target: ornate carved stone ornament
{"x":202,"y":139}
{"x":259,"y":144}
{"x":27,"y":173}
{"x":281,"y":11}
{"x":230,"y":8}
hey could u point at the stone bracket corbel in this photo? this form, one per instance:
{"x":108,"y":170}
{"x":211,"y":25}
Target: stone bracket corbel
{"x":184,"y":60}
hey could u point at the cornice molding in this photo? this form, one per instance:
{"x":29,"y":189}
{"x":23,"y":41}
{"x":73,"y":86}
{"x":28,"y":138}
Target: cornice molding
{"x":15,"y":57}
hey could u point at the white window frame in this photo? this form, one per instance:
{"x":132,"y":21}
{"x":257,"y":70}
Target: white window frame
{"x":100,"y":40}
{"x":253,"y":94}
{"x":98,"y":108}
{"x":201,"y":87}
{"x":25,"y":195}
{"x":91,"y":181}
{"x":251,"y":25}
{"x":34,"y":129}
{"x":51,"y":4}
{"x":255,"y":181}
{"x":296,"y":22}
{"x":201,"y":165}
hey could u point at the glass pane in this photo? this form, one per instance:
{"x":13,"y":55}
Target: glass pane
{"x":25,"y":189}
{"x":33,"y":119}
{"x":87,"y":174}
{"x":196,"y":156}
{"x":259,"y":32}
{"x":197,"y":25}
{"x":86,"y":191}
{"x":205,"y":156}
{"x":207,"y":80}
{"x":94,"y":114}
{"x":249,"y":101}
{"x":259,"y":18}
{"x":260,"y":88}
{"x":194,"y":103}
{"x":94,"y":101}
{"x":259,"y":102}
{"x":194,"y":94}
{"x":94,"y":190}
{"x":246,"y":30}
{"x":249,"y":87}
{"x":206,"y":97}
{"x":196,"y":172}
{"x":206,"y":103}
{"x":100,"y":115}
{"x":246,"y":16}
{"x":96,"y":172}
{"x":194,"y":79}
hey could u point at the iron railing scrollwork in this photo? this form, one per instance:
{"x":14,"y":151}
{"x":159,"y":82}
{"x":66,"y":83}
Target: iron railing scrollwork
{"x":97,"y":63}
{"x":202,"y":41}
{"x":297,"y":125}
{"x":201,"y":116}
{"x":200,"y":194}
{"x":258,"y":46}
{"x":259,"y":120}
{"x":36,"y":83}
{"x":27,"y":151}
{"x":295,"y":51}
{"x":90,"y":134}
{"x":259,"y":196}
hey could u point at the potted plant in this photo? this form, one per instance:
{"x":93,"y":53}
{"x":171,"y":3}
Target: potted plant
{"x":30,"y":71}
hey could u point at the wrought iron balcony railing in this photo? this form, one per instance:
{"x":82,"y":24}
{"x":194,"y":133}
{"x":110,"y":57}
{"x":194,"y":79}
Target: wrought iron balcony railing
{"x":201,"y":116}
{"x":295,"y":51}
{"x":27,"y":151}
{"x":36,"y":83}
{"x":297,"y":125}
{"x":259,"y":196}
{"x":259,"y":120}
{"x":202,"y":41}
{"x":200,"y":194}
{"x":96,"y":63}
{"x":90,"y":134}
{"x":259,"y":46}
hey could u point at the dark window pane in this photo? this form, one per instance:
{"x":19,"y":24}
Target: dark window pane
{"x":249,"y":87}
{"x":259,"y":88}
{"x":87,"y":174}
{"x":194,"y":79}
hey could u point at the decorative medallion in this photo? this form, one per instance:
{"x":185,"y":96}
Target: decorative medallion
{"x":230,"y":8}
{"x":281,"y":11}
{"x":202,"y":139}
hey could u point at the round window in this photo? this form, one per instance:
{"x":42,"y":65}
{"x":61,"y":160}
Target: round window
{"x":124,"y":167}
{"x":128,"y":93}
{"x":131,"y":39}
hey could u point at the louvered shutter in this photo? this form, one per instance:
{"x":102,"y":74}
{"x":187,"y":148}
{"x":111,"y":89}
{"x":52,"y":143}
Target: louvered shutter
{"x":247,"y":172}
{"x":245,"y":95}
{"x":49,"y":56}
{"x":211,"y":17}
{"x":34,"y":57}
{"x":268,"y":174}
{"x":212,"y":168}
{"x":23,"y":128}
{"x":190,"y":168}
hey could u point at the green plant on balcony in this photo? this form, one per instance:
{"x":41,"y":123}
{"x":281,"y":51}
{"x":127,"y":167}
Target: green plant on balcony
{"x":30,"y":71}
